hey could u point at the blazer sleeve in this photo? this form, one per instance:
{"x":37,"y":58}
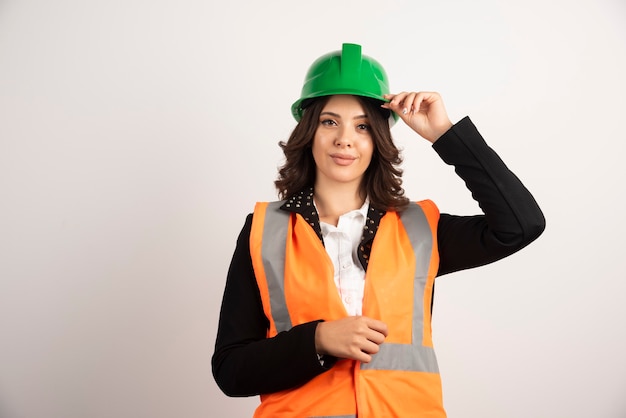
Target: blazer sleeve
{"x":245,"y":362}
{"x":511,"y":217}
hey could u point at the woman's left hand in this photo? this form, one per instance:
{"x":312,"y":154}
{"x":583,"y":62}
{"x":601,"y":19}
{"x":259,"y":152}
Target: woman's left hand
{"x":424,"y":112}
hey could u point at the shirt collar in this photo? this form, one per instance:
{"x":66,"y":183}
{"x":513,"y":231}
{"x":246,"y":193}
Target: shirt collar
{"x":360,"y":211}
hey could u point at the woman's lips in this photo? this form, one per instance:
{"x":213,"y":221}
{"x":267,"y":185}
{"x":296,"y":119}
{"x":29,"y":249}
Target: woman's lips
{"x":343,"y":159}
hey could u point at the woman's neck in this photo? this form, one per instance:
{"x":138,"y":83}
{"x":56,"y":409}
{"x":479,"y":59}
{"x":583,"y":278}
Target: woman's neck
{"x":333,"y":202}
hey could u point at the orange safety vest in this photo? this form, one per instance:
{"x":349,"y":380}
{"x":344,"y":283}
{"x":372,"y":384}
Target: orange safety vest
{"x":295,"y":279}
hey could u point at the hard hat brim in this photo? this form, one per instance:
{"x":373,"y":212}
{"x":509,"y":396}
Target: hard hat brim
{"x":297,"y":108}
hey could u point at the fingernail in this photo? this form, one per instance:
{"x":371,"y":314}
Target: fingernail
{"x":404,"y":111}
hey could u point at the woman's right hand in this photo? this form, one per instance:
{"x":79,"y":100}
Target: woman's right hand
{"x":424,"y":112}
{"x":354,"y":337}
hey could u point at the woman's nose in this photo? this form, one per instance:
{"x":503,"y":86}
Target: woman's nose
{"x":343,"y":138}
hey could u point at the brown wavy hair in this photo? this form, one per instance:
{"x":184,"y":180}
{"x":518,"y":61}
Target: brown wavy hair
{"x":382,"y":181}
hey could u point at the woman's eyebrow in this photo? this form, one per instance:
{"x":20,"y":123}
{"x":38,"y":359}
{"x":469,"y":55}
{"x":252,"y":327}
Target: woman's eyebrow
{"x":335,"y":115}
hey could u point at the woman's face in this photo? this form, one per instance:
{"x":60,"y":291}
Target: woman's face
{"x":342,"y":145}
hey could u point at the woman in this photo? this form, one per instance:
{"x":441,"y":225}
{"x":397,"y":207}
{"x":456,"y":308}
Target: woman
{"x":327,"y":305}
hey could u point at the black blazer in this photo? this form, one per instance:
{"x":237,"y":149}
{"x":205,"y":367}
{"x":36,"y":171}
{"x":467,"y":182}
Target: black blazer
{"x":247,"y":363}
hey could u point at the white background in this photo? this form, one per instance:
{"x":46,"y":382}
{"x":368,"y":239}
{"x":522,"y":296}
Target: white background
{"x":136,"y":135}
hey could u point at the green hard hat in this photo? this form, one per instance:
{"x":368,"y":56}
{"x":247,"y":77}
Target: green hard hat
{"x":343,"y":72}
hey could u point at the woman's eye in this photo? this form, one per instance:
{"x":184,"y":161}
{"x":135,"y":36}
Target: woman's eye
{"x":328,"y":122}
{"x":363,"y":127}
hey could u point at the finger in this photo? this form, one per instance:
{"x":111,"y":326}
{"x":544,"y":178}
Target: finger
{"x":407,"y":103}
{"x":362,"y":357}
{"x":421,"y":102}
{"x":369,"y":347}
{"x":353,"y":352}
{"x":395,"y":103}
{"x":390,"y":97}
{"x":385,"y":105}
{"x":397,"y":99}
{"x":376,"y":325}
{"x":375,"y":337}
{"x":427,"y":98}
{"x":404,"y":102}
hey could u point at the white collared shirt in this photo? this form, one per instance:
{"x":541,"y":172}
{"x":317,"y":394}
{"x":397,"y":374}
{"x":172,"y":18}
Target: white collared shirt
{"x":342,"y":242}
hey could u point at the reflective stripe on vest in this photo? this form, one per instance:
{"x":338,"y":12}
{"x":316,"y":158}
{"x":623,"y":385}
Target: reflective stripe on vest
{"x":392,"y":356}
{"x":413,"y":357}
{"x":273,"y":252}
